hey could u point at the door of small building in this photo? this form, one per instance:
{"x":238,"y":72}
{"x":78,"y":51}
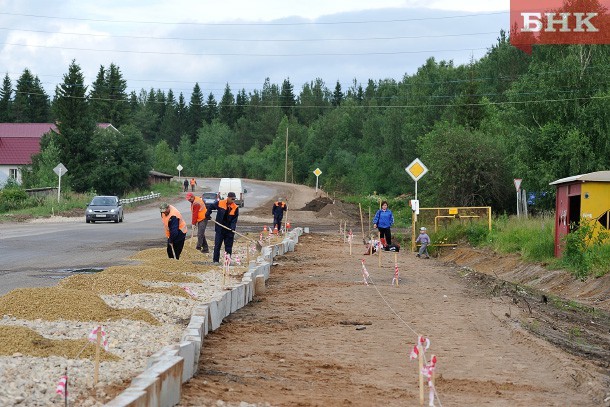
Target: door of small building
{"x":567,"y":213}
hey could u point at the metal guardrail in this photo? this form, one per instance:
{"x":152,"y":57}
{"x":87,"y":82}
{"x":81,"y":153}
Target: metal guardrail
{"x":140,"y":198}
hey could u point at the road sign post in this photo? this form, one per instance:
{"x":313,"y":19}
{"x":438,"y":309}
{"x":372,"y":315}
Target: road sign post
{"x":416,"y":170}
{"x":60,"y":169}
{"x":517,"y":182}
{"x":179,"y":168}
{"x":317,"y":172}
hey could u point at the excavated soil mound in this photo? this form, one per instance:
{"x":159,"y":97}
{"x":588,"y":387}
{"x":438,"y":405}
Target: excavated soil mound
{"x":594,"y":292}
{"x":317,"y":204}
{"x":19,"y":339}
{"x":52,"y":304}
{"x":111,"y":284}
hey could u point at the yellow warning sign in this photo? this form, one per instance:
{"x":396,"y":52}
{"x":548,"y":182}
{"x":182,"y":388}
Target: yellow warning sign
{"x":416,"y":169}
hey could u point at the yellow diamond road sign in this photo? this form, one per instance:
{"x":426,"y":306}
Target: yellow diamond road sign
{"x":416,"y":169}
{"x":317,"y":172}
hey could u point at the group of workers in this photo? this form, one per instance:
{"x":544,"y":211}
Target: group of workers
{"x":227,"y":213}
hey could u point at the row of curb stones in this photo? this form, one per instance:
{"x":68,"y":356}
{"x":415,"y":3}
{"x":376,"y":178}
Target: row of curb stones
{"x":160,"y":384}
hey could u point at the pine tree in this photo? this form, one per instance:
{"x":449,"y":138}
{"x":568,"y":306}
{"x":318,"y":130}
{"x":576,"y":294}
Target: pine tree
{"x":6,"y":103}
{"x":31,"y":103}
{"x":337,"y":95}
{"x":211,"y":109}
{"x":226,"y":109}
{"x":98,"y":97}
{"x":287,"y":98}
{"x":75,"y":125}
{"x":196,"y":112}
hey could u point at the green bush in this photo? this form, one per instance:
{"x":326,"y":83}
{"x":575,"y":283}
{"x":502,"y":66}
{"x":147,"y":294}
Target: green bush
{"x":12,"y":197}
{"x":585,"y":253}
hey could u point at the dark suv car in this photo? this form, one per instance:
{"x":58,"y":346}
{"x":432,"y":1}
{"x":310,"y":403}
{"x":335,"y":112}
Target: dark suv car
{"x":107,"y":208}
{"x":210,"y":198}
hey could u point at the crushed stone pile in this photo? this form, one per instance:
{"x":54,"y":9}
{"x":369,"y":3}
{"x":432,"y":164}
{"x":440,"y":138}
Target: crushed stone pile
{"x":109,"y":284}
{"x":25,"y":341}
{"x":190,"y":261}
{"x":55,"y":303}
{"x":148,"y":273}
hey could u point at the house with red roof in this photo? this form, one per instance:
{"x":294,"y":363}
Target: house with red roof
{"x":19,"y":141}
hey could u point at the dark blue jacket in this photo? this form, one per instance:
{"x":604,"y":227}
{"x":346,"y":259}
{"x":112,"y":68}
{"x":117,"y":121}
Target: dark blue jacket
{"x":383,"y":219}
{"x":226,"y":214}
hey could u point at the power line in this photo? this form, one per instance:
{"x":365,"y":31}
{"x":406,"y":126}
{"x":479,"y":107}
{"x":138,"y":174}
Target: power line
{"x":330,"y":106}
{"x":260,"y":23}
{"x":254,"y":39}
{"x":236,"y":54}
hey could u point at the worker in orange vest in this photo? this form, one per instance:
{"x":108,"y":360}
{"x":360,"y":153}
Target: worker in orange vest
{"x":277,"y":211}
{"x":193,"y":183}
{"x":175,"y":230}
{"x":200,"y":219}
{"x":227,"y":213}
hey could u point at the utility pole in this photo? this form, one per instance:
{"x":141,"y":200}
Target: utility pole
{"x":286,"y":160}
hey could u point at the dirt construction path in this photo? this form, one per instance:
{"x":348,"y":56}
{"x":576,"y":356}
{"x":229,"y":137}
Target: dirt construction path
{"x":318,"y":336}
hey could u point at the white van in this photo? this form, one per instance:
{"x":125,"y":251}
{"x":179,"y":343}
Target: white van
{"x":232,"y":185}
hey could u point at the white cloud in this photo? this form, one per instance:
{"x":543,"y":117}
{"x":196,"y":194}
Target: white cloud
{"x":215,"y":54}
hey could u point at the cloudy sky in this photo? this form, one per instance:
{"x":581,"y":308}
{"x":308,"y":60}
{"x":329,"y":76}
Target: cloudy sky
{"x":174,"y":44}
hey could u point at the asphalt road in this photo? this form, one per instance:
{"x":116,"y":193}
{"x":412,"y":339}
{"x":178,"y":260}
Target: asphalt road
{"x":39,"y":254}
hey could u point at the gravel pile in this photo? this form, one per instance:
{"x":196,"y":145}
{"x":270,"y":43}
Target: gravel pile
{"x":143,"y":308}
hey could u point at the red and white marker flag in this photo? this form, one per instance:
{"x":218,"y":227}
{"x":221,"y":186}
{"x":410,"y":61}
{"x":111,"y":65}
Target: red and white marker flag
{"x":189,"y":291}
{"x":61,"y":386}
{"x":396,"y":275}
{"x":414,"y":353}
{"x":365,"y":273}
{"x":93,"y":336}
{"x":424,"y":342}
{"x":350,"y":237}
{"x":428,"y":372}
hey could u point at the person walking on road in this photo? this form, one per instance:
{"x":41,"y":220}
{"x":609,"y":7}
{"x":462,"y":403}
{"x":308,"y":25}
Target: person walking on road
{"x":193,"y":183}
{"x":277,"y":211}
{"x":424,"y":239}
{"x":383,"y":221}
{"x":175,"y":230}
{"x":186,"y":185}
{"x":227,"y":213}
{"x":199,"y":218}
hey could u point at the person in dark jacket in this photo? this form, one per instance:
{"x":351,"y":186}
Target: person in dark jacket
{"x":175,"y":230}
{"x":227,"y":213}
{"x":277,"y":211}
{"x":383,"y":221}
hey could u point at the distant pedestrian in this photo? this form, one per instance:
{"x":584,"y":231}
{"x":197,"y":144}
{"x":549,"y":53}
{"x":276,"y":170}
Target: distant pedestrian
{"x":193,"y":183}
{"x":424,"y":239}
{"x":383,"y":220}
{"x":200,"y":219}
{"x":227,"y":213}
{"x":277,"y":211}
{"x":186,"y":185}
{"x":175,"y":230}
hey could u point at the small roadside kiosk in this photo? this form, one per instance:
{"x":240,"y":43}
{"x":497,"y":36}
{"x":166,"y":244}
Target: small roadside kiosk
{"x":581,"y":197}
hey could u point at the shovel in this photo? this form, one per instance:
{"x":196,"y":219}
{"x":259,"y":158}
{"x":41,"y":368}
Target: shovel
{"x":259,"y":247}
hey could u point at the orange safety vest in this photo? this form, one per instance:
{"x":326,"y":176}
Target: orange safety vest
{"x":202,"y":209}
{"x":173,"y":212}
{"x":232,"y":209}
{"x":281,"y":204}
{"x":192,"y":181}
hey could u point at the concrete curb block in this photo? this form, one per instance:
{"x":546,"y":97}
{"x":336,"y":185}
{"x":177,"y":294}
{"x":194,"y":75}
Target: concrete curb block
{"x":160,"y":384}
